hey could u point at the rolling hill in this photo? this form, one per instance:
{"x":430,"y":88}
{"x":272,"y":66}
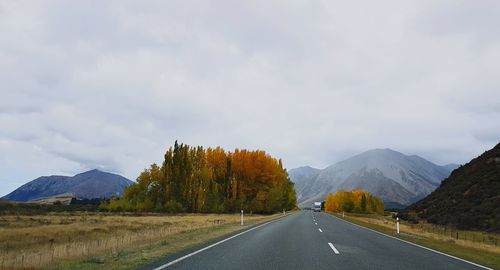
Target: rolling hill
{"x":469,"y":198}
{"x":88,"y":185}
{"x":396,"y":178}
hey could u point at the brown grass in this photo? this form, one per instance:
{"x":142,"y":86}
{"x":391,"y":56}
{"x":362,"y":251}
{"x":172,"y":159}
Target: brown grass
{"x":40,"y":241}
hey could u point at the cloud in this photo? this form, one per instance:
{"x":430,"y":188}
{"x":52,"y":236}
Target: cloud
{"x":111,"y":85}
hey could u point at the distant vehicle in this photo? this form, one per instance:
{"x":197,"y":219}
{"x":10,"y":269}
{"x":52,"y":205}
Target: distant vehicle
{"x":317,"y":206}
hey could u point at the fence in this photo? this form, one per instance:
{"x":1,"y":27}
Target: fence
{"x":454,"y":234}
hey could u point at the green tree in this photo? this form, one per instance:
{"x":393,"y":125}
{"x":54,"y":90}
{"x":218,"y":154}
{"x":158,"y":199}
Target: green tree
{"x":363,"y":203}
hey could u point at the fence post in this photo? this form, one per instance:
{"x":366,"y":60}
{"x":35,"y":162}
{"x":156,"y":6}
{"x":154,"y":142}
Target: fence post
{"x":241,"y":217}
{"x":397,"y":225}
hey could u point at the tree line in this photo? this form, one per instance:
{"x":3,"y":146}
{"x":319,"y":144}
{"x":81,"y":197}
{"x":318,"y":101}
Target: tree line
{"x":358,"y":201}
{"x":195,"y":179}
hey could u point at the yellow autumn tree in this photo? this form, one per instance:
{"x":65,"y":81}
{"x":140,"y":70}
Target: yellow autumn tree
{"x":197,"y":179}
{"x":359,"y":201}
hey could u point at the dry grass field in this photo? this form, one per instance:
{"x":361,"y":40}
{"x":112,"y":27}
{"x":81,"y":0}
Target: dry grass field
{"x":44,"y":241}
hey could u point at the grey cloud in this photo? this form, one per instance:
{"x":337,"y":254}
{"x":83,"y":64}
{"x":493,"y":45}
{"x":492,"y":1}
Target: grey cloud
{"x":112,"y":85}
{"x":87,"y":162}
{"x":476,"y":22}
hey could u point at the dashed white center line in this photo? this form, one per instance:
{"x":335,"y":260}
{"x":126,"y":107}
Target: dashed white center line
{"x":320,"y":230}
{"x":334,"y":249}
{"x":315,"y":223}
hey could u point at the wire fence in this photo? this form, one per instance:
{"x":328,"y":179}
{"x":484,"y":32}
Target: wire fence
{"x":474,"y":238}
{"x":455,"y":234}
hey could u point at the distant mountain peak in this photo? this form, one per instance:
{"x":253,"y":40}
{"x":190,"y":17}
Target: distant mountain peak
{"x":93,"y":171}
{"x":382,"y":150}
{"x":88,"y":185}
{"x":387,"y":173}
{"x":306,"y":168}
{"x":386,"y":150}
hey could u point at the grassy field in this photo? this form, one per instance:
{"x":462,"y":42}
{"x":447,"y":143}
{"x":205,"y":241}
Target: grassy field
{"x":99,"y":240}
{"x":477,"y":247}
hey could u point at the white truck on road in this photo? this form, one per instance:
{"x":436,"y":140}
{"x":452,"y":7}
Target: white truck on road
{"x":317,"y":206}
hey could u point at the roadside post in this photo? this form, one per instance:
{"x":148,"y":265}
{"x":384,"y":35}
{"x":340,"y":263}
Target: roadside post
{"x":343,"y":214}
{"x":241,"y":217}
{"x":283,"y":212}
{"x":397,"y":224}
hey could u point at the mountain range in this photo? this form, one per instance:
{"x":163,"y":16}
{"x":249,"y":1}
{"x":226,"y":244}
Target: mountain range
{"x":396,"y":178}
{"x":468,"y":199}
{"x":88,"y":185}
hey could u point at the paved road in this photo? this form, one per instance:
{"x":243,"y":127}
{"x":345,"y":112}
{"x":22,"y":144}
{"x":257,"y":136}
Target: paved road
{"x":308,"y":240}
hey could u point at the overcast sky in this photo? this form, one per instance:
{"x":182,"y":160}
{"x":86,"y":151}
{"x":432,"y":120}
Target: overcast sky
{"x":112,"y":84}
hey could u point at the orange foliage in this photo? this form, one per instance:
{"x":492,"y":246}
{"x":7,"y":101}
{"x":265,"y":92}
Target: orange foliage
{"x":194,"y":179}
{"x":359,"y":201}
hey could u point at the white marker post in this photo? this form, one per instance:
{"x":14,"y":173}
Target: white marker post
{"x":283,"y":212}
{"x":397,"y":225}
{"x":342,"y":213}
{"x":241,"y":217}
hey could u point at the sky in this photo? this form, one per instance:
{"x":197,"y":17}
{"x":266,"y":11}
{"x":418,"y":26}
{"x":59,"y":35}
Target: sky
{"x":112,"y":84}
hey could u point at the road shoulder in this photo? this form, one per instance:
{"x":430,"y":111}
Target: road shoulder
{"x":482,"y":259}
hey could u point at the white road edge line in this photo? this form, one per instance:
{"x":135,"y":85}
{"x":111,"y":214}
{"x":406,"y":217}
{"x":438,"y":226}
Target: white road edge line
{"x":417,"y":245}
{"x":320,"y":230}
{"x":333,"y":247}
{"x":211,"y":246}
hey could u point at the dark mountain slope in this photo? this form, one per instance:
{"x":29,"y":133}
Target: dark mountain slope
{"x":469,"y":198}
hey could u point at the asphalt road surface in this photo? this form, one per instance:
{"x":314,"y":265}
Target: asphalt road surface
{"x":308,"y":240}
